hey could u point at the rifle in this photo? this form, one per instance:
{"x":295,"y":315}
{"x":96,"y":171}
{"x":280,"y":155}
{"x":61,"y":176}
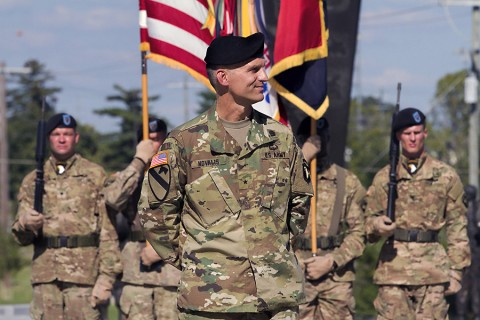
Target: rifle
{"x":39,"y":158}
{"x":394,"y":154}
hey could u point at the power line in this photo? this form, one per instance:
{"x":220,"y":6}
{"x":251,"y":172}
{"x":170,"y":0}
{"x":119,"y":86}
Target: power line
{"x":400,"y":12}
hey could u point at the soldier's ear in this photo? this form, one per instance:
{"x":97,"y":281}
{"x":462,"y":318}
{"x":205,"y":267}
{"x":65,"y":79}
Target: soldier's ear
{"x":222,"y":77}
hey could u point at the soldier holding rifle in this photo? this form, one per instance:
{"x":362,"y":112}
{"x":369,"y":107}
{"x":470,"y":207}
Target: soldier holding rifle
{"x":415,"y":272}
{"x":76,"y":256}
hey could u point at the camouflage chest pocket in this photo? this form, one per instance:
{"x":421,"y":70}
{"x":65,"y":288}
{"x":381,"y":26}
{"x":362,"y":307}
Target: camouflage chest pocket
{"x":211,"y":199}
{"x":275,"y":189}
{"x":426,"y":198}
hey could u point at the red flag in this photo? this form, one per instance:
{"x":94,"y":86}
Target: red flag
{"x":144,"y":46}
{"x":177,"y":36}
{"x":300,"y":51}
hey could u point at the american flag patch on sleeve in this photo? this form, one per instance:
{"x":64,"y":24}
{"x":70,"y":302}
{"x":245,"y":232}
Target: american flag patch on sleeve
{"x":159,"y":159}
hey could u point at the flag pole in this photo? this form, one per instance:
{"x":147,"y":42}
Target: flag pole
{"x":313,"y":200}
{"x":144,"y":96}
{"x":144,"y":101}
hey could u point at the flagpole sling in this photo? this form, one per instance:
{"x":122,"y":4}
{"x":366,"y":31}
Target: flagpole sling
{"x":313,"y":200}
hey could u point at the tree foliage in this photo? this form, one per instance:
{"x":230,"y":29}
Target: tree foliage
{"x":24,"y":110}
{"x":207,"y":99}
{"x":449,"y":121}
{"x":119,"y":147}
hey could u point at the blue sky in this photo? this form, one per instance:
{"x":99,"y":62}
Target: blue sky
{"x":91,"y":45}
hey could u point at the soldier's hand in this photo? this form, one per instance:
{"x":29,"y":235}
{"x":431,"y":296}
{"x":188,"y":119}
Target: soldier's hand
{"x":316,"y":267}
{"x":149,"y":256}
{"x":455,"y":284}
{"x":384,"y":226}
{"x":101,"y":292}
{"x":145,"y":150}
{"x":311,"y":147}
{"x":31,"y":220}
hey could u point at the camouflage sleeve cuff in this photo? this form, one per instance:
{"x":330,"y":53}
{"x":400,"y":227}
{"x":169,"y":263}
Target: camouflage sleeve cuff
{"x":338,"y":261}
{"x":138,"y":164}
{"x":106,"y":280}
{"x":456,"y":274}
{"x":23,"y":237}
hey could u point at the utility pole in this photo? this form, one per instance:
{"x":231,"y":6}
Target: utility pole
{"x":4,"y":176}
{"x":474,"y":116}
{"x":472,"y":99}
{"x":185,"y":85}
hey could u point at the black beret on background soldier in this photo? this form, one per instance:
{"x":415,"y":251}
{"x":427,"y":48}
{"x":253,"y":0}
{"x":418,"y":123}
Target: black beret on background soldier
{"x":415,"y":272}
{"x":226,"y":194}
{"x":76,"y":256}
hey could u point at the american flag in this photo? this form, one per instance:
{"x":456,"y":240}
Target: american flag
{"x":176,"y":33}
{"x":159,"y":159}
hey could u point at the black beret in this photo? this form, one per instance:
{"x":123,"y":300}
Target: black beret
{"x":228,"y":50}
{"x":322,"y":124}
{"x":408,"y":117}
{"x":154,"y":125}
{"x":60,"y":120}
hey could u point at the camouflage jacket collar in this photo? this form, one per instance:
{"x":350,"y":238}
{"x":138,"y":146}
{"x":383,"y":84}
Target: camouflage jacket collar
{"x":222,"y":142}
{"x":425,"y":170}
{"x":69,"y":164}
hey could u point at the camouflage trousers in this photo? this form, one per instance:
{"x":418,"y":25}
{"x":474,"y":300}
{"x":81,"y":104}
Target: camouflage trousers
{"x":62,"y":301}
{"x":148,"y":303}
{"x":288,"y":314}
{"x":327,"y":299}
{"x":411,"y":302}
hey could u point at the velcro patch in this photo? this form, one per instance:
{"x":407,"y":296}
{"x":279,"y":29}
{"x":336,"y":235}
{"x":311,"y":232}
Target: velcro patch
{"x":306,"y":171}
{"x":159,"y":159}
{"x":159,"y":181}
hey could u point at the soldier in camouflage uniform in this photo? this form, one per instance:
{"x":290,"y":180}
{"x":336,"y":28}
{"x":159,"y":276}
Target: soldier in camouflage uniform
{"x":340,"y":235}
{"x":149,"y":285}
{"x":76,"y":256}
{"x":226,"y":194}
{"x":414,"y":272}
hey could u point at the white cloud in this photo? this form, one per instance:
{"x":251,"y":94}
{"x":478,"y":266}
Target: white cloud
{"x":7,"y":4}
{"x":95,"y":18}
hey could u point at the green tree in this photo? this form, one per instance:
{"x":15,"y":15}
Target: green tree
{"x":207,"y":99}
{"x":449,"y":123}
{"x":368,"y":137}
{"x":120,"y":146}
{"x":24,"y":105}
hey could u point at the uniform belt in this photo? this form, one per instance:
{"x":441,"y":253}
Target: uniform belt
{"x":323,"y":243}
{"x":75,"y":241}
{"x":414,"y":235}
{"x":136,"y":236}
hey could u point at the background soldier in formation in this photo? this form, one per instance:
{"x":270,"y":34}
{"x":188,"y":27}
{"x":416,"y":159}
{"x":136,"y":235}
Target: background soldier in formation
{"x":414,"y":273}
{"x":467,"y":300}
{"x":226,"y":193}
{"x":149,"y":285}
{"x":76,"y":256}
{"x":340,"y":240}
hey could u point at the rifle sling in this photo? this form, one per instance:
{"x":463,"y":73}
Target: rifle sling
{"x":338,"y":206}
